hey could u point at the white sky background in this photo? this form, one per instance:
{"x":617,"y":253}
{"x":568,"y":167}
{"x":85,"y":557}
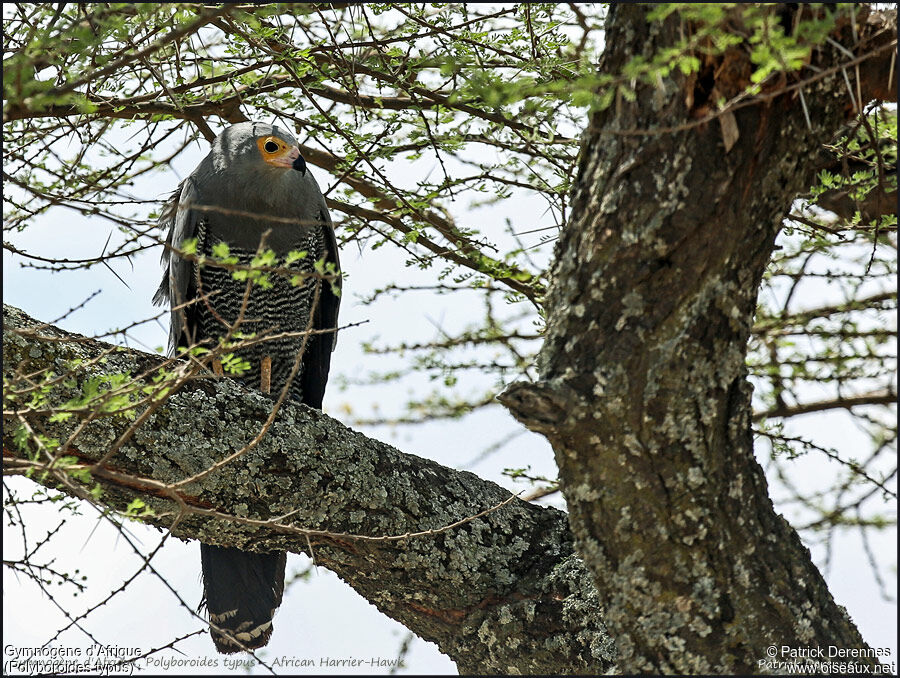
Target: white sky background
{"x":323,"y":617}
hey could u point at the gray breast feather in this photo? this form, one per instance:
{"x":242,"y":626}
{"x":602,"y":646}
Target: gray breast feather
{"x":188,"y":205}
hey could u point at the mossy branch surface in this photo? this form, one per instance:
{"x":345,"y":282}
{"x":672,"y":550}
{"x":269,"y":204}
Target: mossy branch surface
{"x":504,"y":592}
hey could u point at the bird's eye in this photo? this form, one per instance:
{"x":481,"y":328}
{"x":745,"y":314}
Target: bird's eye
{"x":270,"y":147}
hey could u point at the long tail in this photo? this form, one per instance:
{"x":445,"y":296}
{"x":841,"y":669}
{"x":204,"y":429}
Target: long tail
{"x":241,"y":591}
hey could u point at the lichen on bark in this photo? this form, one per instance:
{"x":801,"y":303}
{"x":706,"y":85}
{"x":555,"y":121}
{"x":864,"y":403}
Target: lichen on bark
{"x":512,"y":573}
{"x":643,"y":391}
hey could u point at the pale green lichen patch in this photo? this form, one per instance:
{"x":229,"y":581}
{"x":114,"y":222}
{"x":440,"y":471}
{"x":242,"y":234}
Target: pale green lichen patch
{"x":511,"y":572}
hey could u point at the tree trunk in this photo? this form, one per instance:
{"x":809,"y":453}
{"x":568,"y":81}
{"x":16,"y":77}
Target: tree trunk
{"x":644,"y":393}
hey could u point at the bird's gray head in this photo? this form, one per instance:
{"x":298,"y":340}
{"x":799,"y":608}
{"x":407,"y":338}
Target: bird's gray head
{"x":256,"y":146}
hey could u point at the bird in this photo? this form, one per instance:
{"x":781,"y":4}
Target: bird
{"x":252,"y":193}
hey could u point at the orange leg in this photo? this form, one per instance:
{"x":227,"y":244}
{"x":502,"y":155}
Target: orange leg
{"x":265,"y":374}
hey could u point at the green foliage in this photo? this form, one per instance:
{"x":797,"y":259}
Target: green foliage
{"x":422,"y":121}
{"x":294,"y":256}
{"x":222,"y":253}
{"x":137,"y":509}
{"x":108,"y":393}
{"x":869,"y":150}
{"x":253,"y":273}
{"x":189,"y":247}
{"x":234,"y":365}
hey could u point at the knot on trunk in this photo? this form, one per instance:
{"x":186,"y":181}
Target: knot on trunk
{"x":541,"y":407}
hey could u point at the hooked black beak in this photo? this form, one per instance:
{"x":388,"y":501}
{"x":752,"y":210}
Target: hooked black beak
{"x":299,"y":164}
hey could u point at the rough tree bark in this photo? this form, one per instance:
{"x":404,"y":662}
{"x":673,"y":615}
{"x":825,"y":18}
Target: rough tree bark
{"x":504,"y":593}
{"x":644,"y":393}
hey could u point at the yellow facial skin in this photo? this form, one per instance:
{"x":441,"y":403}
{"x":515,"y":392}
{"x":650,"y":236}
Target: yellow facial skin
{"x":277,"y":152}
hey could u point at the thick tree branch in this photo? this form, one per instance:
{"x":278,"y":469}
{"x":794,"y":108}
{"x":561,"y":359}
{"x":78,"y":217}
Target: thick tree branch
{"x":510,"y":574}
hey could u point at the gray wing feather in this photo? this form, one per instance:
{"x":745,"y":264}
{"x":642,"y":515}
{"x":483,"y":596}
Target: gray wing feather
{"x":334,"y":301}
{"x":182,"y":224}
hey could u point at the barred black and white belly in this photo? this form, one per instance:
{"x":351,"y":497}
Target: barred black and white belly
{"x":278,"y":315}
